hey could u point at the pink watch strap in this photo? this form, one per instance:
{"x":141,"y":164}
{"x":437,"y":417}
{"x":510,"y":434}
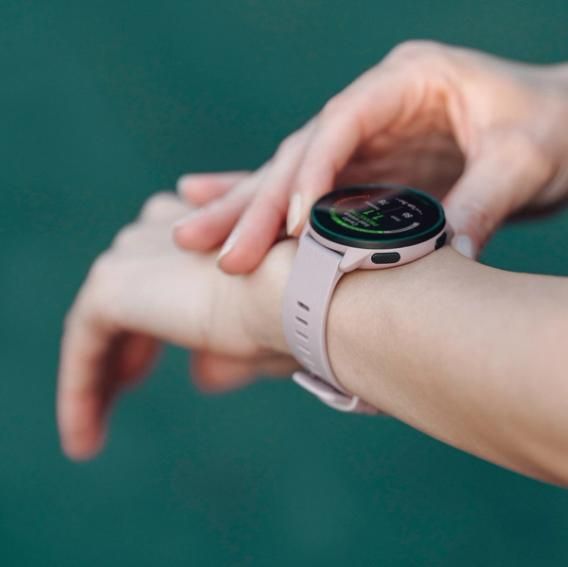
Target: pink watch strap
{"x":314,"y":275}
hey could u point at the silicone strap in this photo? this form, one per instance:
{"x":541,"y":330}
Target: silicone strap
{"x":314,"y":275}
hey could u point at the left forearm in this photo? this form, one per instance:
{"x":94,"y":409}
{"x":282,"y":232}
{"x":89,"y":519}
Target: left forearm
{"x":459,"y":350}
{"x":469,"y":354}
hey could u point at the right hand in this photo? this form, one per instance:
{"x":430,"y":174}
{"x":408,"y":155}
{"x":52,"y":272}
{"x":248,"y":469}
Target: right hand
{"x":486,"y":135}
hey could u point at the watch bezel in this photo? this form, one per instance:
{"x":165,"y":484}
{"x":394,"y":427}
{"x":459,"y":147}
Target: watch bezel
{"x":367,"y":244}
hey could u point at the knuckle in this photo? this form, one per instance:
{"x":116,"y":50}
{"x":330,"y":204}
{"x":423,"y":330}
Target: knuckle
{"x":97,"y":297}
{"x":101,"y":270}
{"x":90,"y":289}
{"x":269,"y":206}
{"x":101,"y":283}
{"x":287,"y":145}
{"x":126,"y":236}
{"x":333,"y":108}
{"x":157,"y":205}
{"x":522,"y":151}
{"x":417,"y":51}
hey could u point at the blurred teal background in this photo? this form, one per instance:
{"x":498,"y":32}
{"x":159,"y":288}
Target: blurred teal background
{"x":101,"y":104}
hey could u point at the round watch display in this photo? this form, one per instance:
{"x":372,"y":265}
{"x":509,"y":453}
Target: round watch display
{"x":377,"y":216}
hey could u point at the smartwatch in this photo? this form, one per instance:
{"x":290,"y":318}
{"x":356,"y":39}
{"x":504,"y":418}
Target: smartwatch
{"x":364,"y":227}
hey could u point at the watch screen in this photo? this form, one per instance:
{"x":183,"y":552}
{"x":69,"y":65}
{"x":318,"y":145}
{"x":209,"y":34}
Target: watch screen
{"x":377,"y":216}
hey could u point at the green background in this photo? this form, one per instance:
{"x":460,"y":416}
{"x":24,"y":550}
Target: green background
{"x":101,"y":104}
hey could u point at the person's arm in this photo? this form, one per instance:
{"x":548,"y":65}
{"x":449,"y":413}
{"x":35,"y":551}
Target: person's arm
{"x":471,"y":355}
{"x":486,"y":135}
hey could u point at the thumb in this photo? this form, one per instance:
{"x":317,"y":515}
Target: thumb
{"x":495,"y":184}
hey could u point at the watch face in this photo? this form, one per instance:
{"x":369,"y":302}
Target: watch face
{"x":377,"y":216}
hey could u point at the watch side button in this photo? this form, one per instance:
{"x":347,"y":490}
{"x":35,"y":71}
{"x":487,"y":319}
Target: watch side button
{"x":441,"y":240}
{"x":385,"y":258}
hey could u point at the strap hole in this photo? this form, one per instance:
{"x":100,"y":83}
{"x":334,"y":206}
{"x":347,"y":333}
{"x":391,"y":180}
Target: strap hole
{"x":303,"y":306}
{"x":302,"y":335}
{"x":303,"y":321}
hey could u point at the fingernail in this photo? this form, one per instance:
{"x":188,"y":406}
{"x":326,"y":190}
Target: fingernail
{"x":228,"y":246}
{"x":184,"y":220}
{"x":182,"y":182}
{"x":464,"y":245}
{"x":294,"y":213}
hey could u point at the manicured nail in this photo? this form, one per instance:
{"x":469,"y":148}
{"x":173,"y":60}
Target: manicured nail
{"x":184,"y":220}
{"x":294,"y":213}
{"x":182,"y":182}
{"x":464,"y":245}
{"x":229,"y":245}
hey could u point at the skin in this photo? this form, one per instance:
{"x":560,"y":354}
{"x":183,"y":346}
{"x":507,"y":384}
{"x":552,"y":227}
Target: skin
{"x":123,"y":312}
{"x":467,"y":353}
{"x":484,"y":134}
{"x":481,"y":368}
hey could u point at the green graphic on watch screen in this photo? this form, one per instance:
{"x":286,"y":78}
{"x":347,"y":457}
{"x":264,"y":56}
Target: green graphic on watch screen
{"x":377,"y":216}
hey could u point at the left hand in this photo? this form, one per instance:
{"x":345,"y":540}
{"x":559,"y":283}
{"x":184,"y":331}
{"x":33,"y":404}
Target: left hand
{"x":144,"y":290}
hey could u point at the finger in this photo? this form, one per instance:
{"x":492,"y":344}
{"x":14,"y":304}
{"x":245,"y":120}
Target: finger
{"x":202,"y":188}
{"x":363,"y":110}
{"x":432,"y":162}
{"x":81,"y":393}
{"x":165,"y":206}
{"x":261,"y":222}
{"x":132,"y":358}
{"x":214,"y":372}
{"x":205,"y":228}
{"x":508,"y":171}
{"x":97,"y":361}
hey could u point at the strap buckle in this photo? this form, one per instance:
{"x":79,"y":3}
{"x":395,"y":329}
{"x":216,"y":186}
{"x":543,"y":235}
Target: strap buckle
{"x":330,"y":396}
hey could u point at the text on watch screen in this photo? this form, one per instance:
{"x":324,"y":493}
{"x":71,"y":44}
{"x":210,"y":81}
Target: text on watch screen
{"x":377,"y":214}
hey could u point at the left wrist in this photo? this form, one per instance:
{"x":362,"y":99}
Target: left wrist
{"x":264,"y":297}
